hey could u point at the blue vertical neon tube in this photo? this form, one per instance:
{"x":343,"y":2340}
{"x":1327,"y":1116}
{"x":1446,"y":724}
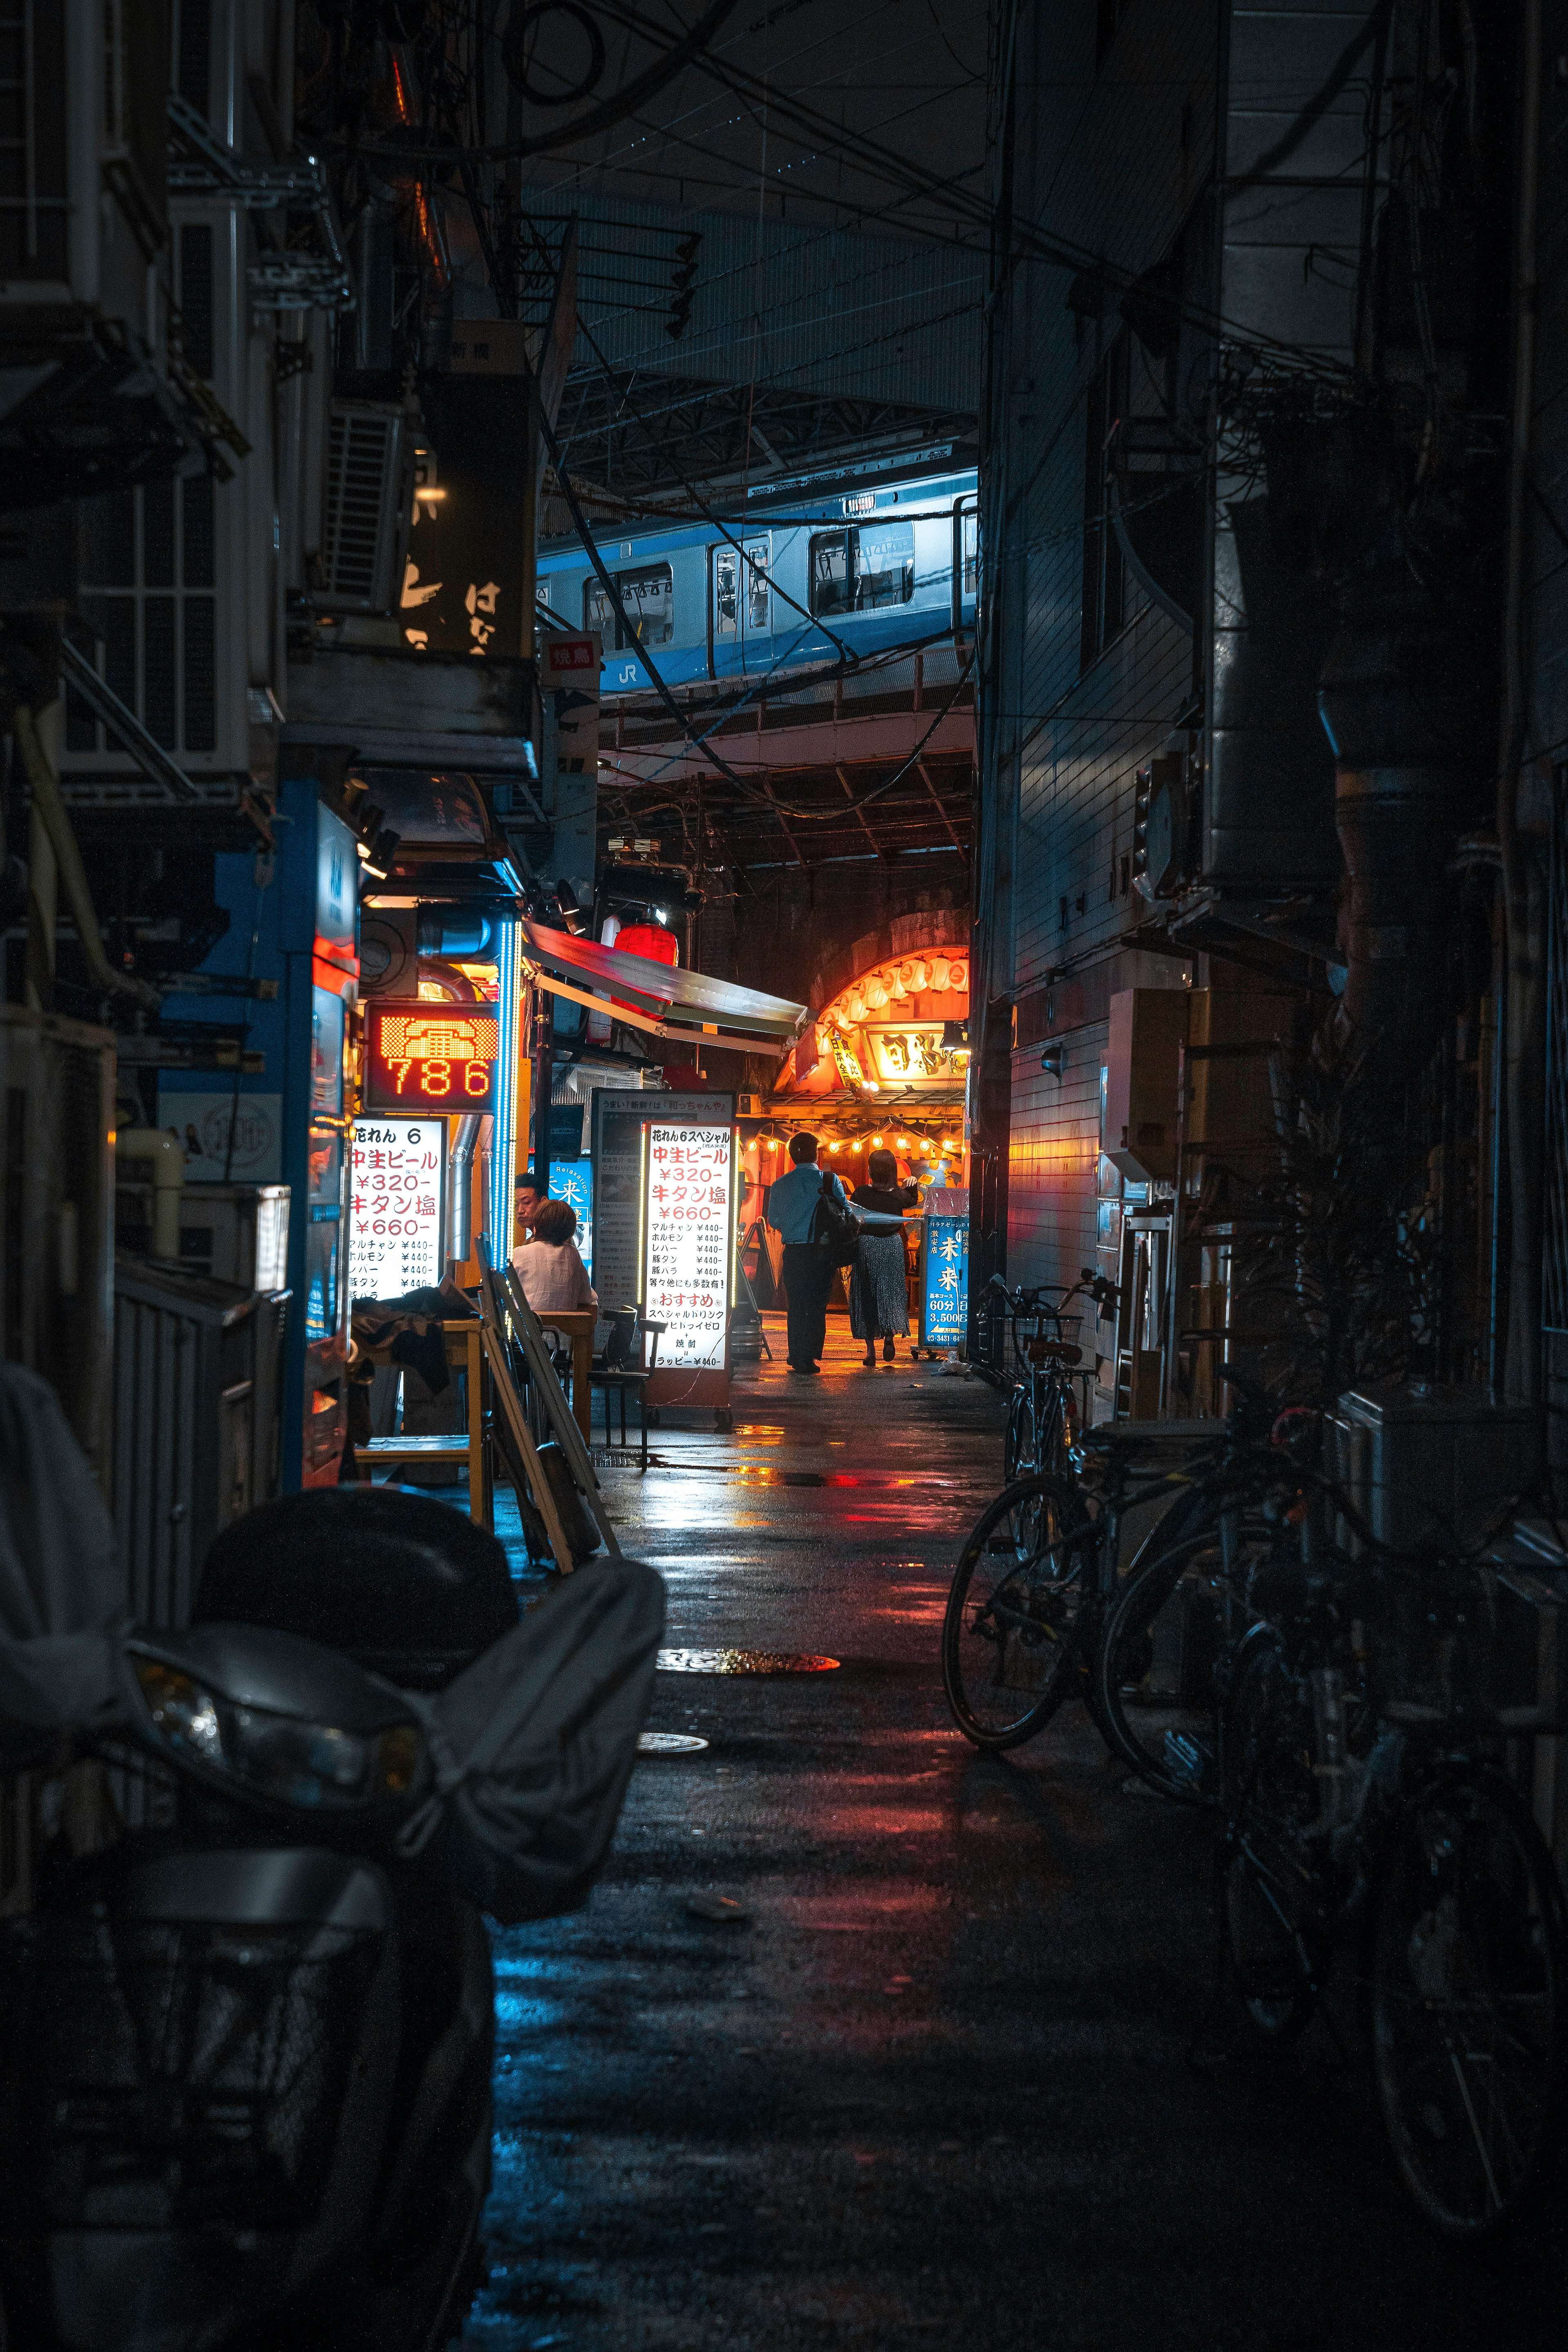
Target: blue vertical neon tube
{"x":503,"y":1138}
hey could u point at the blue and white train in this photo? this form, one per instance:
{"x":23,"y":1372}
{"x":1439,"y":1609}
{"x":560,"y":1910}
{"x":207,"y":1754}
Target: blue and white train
{"x":857,"y":560}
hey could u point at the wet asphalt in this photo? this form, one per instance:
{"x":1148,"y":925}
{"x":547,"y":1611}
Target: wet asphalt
{"x":932,"y":2084}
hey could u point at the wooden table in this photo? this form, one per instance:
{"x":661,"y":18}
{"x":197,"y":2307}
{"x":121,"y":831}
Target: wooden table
{"x":578,"y":1325}
{"x":463,"y":1338}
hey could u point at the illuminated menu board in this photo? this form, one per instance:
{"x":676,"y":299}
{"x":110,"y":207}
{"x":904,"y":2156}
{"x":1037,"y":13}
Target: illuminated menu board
{"x":689,"y":1217}
{"x":430,"y":1057}
{"x":397,"y":1238}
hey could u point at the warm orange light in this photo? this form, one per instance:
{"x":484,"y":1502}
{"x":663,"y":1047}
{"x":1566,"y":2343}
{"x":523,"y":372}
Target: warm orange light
{"x":430,"y":496}
{"x":875,"y":1143}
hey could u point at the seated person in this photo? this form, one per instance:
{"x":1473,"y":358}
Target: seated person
{"x":554,"y":1277}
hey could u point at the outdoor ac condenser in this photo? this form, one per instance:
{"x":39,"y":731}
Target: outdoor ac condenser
{"x":369,"y":490}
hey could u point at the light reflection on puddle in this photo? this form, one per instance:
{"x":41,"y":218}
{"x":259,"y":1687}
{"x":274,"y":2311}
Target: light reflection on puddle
{"x":742,"y":1662}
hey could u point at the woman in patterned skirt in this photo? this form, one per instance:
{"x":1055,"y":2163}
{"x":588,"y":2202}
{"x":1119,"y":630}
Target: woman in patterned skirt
{"x":879,"y":1300}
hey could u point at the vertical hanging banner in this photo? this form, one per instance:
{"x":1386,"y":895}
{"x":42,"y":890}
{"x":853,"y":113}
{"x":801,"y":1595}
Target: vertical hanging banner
{"x":689,"y":1217}
{"x":397,"y":1225}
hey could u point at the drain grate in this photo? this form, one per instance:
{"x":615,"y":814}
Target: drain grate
{"x":742,"y":1662}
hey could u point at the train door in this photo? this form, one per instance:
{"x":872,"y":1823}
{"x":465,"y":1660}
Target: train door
{"x":740,"y":600}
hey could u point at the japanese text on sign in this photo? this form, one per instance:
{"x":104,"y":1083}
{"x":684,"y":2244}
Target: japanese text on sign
{"x":689,"y":1215}
{"x":396,"y":1226}
{"x":945,"y":1305}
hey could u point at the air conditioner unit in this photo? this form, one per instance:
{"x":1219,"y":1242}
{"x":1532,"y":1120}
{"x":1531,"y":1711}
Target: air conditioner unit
{"x":369,"y":490}
{"x":749,"y":1107}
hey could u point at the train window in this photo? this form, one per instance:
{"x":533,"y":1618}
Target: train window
{"x":757,"y":560}
{"x":648,"y":597}
{"x":832,"y":571}
{"x":884,"y":565}
{"x":857,"y":571}
{"x":726,"y":593}
{"x":969,"y":527}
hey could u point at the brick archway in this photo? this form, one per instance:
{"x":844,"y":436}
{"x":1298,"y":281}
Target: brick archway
{"x":943,"y":929}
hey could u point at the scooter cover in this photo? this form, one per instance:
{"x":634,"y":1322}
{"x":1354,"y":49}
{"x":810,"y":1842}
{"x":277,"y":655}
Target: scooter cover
{"x":62,"y":1588}
{"x":535,"y":1745}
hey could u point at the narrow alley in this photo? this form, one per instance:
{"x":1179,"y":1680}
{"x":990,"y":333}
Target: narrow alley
{"x":929,"y":2082}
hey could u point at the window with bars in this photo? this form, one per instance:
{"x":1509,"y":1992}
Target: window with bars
{"x":146,"y":561}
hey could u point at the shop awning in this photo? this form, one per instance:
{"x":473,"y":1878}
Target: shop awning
{"x":656,"y":997}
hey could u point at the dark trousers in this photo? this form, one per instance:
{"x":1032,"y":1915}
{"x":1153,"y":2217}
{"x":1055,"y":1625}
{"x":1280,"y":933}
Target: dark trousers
{"x":807,"y":1279}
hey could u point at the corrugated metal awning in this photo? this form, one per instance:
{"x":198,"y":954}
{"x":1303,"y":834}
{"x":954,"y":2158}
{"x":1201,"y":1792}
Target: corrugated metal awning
{"x":658,"y":997}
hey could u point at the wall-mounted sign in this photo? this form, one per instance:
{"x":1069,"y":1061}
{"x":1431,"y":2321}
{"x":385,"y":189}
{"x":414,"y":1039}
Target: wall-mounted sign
{"x":397,"y":1231}
{"x":689,"y":1185}
{"x":430,"y":1057}
{"x":912,"y":1053}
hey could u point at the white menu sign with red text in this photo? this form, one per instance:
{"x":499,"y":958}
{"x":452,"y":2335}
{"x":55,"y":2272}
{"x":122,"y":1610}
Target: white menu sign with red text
{"x":689,"y":1192}
{"x":397,"y":1234}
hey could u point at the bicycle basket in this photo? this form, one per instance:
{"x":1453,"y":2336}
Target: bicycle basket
{"x":173,"y":2074}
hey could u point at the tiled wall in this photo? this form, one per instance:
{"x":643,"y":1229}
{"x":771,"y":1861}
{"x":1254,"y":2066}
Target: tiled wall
{"x":1114,"y":160}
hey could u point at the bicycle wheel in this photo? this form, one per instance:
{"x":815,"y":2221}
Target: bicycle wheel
{"x":1172,"y":1741}
{"x":1270,"y":1798}
{"x":1019,"y":1451}
{"x":1134,"y":1728}
{"x":1467,"y":1965}
{"x":1008,"y":1650}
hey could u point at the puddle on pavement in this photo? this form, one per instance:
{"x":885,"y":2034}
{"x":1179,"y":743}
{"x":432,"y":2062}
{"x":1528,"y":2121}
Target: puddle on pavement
{"x":669,"y":1743}
{"x":742,"y":1662}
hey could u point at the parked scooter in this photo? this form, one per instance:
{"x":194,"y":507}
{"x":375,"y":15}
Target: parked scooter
{"x":245,"y":2089}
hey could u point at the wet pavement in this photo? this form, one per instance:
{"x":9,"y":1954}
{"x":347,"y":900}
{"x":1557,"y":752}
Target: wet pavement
{"x":865,"y":2040}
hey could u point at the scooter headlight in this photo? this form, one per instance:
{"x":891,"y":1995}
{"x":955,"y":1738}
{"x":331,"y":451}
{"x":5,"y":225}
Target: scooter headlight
{"x":183,"y":1712}
{"x":285,"y":1758}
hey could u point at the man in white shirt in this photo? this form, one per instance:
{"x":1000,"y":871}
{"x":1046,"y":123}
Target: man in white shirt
{"x":807,"y":1268}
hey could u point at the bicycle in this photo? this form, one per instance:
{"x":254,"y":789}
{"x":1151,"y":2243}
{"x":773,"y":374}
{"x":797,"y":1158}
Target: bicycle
{"x":1045,"y":1357}
{"x":1359,"y":1804}
{"x":1039,"y":1576}
{"x":1250,"y":1499}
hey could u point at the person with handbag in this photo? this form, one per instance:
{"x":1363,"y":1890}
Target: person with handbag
{"x":810,"y":1214}
{"x":878,"y":1299}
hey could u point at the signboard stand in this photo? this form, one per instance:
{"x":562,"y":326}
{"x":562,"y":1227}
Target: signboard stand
{"x":945,"y":1269}
{"x":689,"y":1290}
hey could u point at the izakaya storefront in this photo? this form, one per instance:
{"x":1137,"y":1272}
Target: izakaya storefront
{"x":881,"y":1067}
